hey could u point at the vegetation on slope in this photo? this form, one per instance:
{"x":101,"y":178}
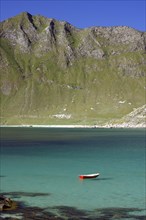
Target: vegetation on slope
{"x":53,"y":73}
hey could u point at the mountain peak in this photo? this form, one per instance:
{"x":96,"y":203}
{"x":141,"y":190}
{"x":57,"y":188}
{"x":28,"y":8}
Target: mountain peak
{"x":25,"y":13}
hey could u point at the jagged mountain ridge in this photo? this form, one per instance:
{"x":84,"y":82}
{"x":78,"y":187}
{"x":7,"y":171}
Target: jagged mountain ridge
{"x":53,"y":72}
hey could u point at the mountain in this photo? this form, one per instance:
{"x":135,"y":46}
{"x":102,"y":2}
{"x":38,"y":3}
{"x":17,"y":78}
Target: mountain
{"x":55,"y":73}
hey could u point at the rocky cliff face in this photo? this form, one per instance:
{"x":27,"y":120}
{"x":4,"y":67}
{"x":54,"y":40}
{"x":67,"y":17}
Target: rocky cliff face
{"x":85,"y":73}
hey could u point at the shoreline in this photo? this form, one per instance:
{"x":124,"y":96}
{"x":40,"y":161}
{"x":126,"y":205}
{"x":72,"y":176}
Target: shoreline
{"x":74,"y":126}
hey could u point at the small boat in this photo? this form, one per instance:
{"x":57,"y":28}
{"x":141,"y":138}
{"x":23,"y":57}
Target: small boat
{"x":89,"y":176}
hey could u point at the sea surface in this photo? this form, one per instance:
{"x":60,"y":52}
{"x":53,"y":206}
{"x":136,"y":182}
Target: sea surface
{"x":40,"y":167}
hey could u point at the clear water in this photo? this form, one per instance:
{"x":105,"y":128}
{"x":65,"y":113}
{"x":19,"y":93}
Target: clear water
{"x":49,"y":160}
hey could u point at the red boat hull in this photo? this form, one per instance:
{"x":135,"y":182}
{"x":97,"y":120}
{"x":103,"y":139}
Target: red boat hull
{"x":90,"y":176}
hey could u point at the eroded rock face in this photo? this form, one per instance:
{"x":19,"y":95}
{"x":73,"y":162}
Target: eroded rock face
{"x":41,"y":35}
{"x":21,"y":31}
{"x":121,"y":35}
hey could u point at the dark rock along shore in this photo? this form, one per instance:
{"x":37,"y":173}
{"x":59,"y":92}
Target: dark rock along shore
{"x":19,"y":210}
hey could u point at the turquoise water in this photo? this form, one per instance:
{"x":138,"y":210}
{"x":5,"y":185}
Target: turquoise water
{"x":49,"y":160}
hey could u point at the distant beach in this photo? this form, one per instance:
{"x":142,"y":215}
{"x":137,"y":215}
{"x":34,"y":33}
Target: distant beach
{"x":125,"y":125}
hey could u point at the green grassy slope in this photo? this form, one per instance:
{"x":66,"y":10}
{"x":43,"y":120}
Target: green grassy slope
{"x":48,"y":88}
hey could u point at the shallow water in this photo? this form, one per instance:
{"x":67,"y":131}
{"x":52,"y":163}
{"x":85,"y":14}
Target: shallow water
{"x":49,"y":160}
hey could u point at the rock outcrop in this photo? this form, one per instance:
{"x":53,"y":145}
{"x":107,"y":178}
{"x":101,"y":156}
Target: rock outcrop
{"x":5,"y":202}
{"x":135,"y":119}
